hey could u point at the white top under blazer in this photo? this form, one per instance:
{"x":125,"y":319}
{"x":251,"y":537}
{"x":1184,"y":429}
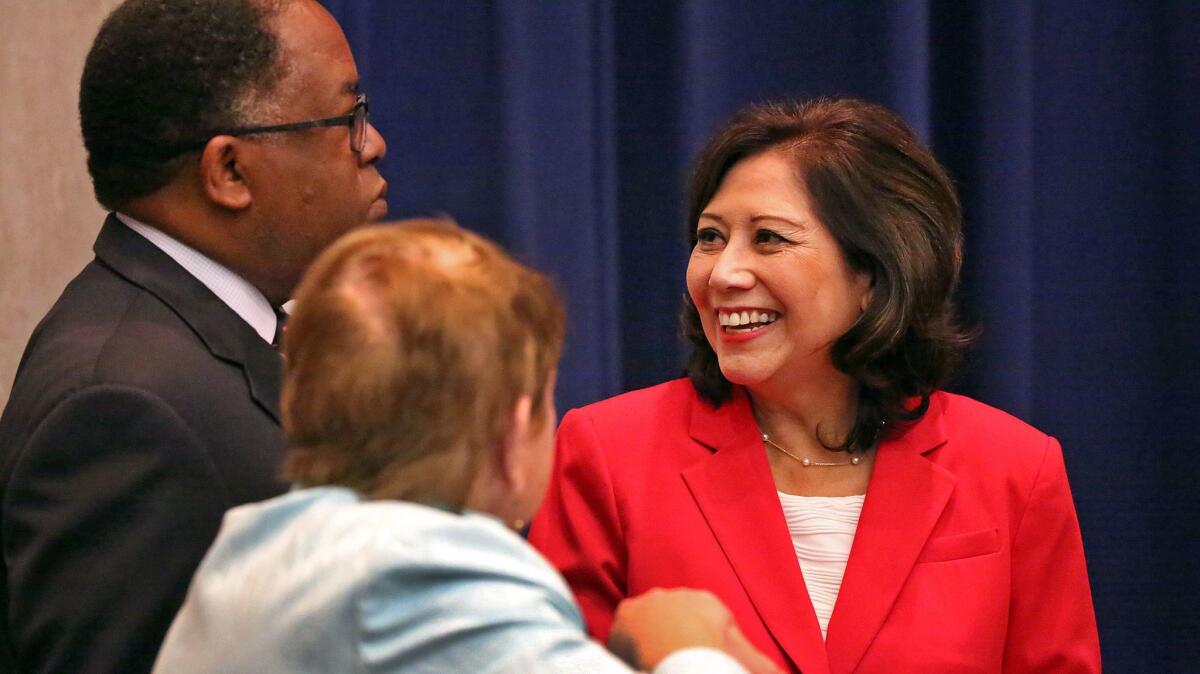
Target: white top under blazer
{"x":822,"y":529}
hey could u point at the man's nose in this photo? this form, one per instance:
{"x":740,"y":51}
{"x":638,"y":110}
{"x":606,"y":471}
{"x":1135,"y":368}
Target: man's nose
{"x":374,"y":146}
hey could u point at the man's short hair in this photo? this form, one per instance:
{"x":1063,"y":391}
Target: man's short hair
{"x":159,"y":75}
{"x":405,"y":357}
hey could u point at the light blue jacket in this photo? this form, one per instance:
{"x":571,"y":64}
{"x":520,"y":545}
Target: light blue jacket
{"x":319,"y":580}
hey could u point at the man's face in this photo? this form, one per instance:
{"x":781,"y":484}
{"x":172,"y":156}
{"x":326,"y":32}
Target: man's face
{"x":309,"y":187}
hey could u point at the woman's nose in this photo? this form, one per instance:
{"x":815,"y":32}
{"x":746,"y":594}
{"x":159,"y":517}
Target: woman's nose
{"x":732,"y":270}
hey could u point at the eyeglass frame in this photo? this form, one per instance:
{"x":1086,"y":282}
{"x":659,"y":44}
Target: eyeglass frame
{"x":361,"y":107}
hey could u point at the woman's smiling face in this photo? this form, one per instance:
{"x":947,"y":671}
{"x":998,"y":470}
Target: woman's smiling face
{"x":771,"y":284}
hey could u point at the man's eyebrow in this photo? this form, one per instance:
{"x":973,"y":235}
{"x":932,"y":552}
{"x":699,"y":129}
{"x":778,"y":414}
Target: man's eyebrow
{"x":351,"y":87}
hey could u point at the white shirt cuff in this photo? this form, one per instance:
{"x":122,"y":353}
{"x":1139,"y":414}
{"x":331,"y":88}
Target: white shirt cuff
{"x":699,"y":661}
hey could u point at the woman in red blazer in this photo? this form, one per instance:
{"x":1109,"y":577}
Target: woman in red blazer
{"x":809,"y":472}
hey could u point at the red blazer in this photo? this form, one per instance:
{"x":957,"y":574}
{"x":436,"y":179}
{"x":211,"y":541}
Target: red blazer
{"x":967,"y":557}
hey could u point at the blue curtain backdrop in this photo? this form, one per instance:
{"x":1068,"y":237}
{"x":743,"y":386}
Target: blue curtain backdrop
{"x":565,"y":130}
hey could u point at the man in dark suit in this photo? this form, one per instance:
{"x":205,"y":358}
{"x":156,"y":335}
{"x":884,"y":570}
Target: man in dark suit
{"x":232,"y":144}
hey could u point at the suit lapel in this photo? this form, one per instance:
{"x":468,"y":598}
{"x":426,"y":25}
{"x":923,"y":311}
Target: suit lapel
{"x":736,"y":495}
{"x":905,"y":498}
{"x":226,"y":335}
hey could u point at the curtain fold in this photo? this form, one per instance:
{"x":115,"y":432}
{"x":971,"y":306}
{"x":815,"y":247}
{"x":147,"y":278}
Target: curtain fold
{"x":553,"y":64}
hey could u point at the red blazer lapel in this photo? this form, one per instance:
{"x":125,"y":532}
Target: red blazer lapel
{"x":906,"y":496}
{"x":736,"y":495}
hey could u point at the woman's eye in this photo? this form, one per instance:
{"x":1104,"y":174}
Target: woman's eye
{"x":768,"y":237}
{"x":707,"y":235}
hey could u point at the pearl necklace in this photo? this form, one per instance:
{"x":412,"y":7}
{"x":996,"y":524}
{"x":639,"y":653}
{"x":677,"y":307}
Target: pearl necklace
{"x":807,"y":462}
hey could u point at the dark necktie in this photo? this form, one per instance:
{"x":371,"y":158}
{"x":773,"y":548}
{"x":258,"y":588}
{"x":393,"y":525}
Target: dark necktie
{"x":280,"y":325}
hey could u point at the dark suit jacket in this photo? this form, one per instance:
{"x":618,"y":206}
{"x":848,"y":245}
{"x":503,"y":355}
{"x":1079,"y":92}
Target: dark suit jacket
{"x":143,"y":408}
{"x":967,"y":556}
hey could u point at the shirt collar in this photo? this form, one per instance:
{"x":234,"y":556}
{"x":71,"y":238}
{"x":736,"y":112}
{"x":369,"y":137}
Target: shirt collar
{"x":236,"y":292}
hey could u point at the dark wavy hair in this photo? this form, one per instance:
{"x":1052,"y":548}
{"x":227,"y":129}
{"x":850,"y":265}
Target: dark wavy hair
{"x":895,"y":215}
{"x":159,"y":73}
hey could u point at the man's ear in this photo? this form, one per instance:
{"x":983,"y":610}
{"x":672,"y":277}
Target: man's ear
{"x":221,"y":175}
{"x":514,"y":458}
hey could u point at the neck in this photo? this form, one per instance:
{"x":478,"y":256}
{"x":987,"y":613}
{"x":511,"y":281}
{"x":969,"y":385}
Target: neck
{"x":211,"y":232}
{"x":810,"y":415}
{"x":490,"y":493}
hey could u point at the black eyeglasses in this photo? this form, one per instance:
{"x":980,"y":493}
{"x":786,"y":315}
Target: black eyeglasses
{"x":357,"y":119}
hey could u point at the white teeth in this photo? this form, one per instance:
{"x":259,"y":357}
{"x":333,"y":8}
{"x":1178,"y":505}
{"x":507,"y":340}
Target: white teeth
{"x":738,"y":318}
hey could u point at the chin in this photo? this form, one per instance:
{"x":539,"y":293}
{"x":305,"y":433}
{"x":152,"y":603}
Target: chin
{"x":378,"y":211}
{"x":743,"y":374}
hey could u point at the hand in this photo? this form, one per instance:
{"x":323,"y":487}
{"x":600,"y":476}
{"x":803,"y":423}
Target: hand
{"x":650,"y":627}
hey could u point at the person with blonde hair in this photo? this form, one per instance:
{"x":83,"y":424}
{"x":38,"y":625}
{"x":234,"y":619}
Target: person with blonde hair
{"x":418,"y":401}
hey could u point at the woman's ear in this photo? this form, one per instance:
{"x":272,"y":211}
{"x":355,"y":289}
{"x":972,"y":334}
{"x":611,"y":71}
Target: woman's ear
{"x":221,"y":173}
{"x":515,"y":456}
{"x":504,"y":475}
{"x":867,"y":293}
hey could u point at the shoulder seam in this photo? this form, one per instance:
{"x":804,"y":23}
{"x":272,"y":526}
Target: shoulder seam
{"x":116,"y":326}
{"x":608,"y":471}
{"x":1037,"y":477}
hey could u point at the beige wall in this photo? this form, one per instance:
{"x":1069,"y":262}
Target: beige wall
{"x":48,"y":218}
